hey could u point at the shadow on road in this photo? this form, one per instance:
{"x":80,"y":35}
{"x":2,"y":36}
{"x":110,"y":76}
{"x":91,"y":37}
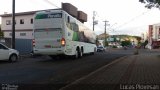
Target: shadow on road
{"x":4,"y":62}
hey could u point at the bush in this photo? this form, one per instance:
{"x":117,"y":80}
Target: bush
{"x":125,"y":43}
{"x":114,"y":47}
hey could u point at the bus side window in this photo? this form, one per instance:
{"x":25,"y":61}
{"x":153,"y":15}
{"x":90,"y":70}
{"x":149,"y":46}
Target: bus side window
{"x":75,"y":27}
{"x":68,"y":22}
{"x":68,"y":19}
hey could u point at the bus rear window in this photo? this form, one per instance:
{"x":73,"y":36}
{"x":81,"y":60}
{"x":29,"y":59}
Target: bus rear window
{"x":47,"y":33}
{"x":49,"y":15}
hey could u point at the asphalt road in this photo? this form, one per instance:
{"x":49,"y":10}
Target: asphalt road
{"x":43,"y":70}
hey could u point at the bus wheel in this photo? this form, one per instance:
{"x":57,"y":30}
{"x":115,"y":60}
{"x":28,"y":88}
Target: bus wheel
{"x":76,"y":56}
{"x":80,"y":53}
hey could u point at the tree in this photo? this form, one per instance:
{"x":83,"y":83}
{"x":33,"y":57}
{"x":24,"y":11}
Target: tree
{"x":138,"y":39}
{"x":145,"y":43}
{"x":126,"y":43}
{"x":1,"y":33}
{"x":151,"y":3}
{"x":105,"y":43}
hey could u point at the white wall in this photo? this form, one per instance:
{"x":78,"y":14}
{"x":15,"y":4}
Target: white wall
{"x":156,"y":31}
{"x":28,"y":35}
{"x":27,"y":27}
{"x":27,"y":22}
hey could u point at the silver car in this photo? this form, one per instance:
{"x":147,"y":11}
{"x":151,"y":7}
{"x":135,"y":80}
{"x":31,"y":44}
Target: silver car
{"x":100,"y":49}
{"x":8,"y":53}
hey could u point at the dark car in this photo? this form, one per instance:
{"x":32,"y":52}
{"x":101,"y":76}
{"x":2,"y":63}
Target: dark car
{"x":100,"y":49}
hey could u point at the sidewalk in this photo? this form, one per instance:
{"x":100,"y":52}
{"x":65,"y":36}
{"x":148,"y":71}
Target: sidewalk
{"x":135,"y":72}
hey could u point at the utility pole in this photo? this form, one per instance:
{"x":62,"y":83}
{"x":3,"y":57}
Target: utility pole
{"x":105,"y":36}
{"x":13,"y":24}
{"x":93,"y":19}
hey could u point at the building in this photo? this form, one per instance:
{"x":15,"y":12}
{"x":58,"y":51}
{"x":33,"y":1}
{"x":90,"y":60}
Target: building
{"x":154,"y":32}
{"x":23,"y":30}
{"x":154,"y":35}
{"x":144,"y":37}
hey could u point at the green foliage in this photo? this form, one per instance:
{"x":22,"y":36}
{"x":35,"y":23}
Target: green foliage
{"x":125,"y":43}
{"x":1,"y":34}
{"x":106,"y":44}
{"x":151,"y":3}
{"x":138,"y":39}
{"x":145,"y":43}
{"x":114,"y":47}
{"x":97,"y":42}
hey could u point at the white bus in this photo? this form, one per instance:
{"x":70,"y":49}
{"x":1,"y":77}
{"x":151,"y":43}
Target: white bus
{"x":58,"y":33}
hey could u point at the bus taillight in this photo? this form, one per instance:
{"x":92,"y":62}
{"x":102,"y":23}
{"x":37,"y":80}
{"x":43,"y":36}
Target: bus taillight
{"x":33,"y":42}
{"x":63,"y":42}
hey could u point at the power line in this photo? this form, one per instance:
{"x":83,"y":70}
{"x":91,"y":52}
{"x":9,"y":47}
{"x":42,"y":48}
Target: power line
{"x":131,"y":20}
{"x":47,"y":1}
{"x":34,"y":1}
{"x":101,"y":19}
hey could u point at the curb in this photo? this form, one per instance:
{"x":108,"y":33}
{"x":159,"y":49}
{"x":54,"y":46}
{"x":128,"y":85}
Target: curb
{"x":25,"y":55}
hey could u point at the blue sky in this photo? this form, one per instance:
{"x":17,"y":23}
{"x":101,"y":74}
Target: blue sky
{"x":124,"y":16}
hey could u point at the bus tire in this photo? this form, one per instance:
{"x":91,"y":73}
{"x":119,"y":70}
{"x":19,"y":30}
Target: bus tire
{"x":76,"y":56}
{"x":81,"y":53}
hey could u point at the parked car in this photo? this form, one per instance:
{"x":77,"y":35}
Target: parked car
{"x":119,"y":46}
{"x":100,"y":49}
{"x":8,"y":53}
